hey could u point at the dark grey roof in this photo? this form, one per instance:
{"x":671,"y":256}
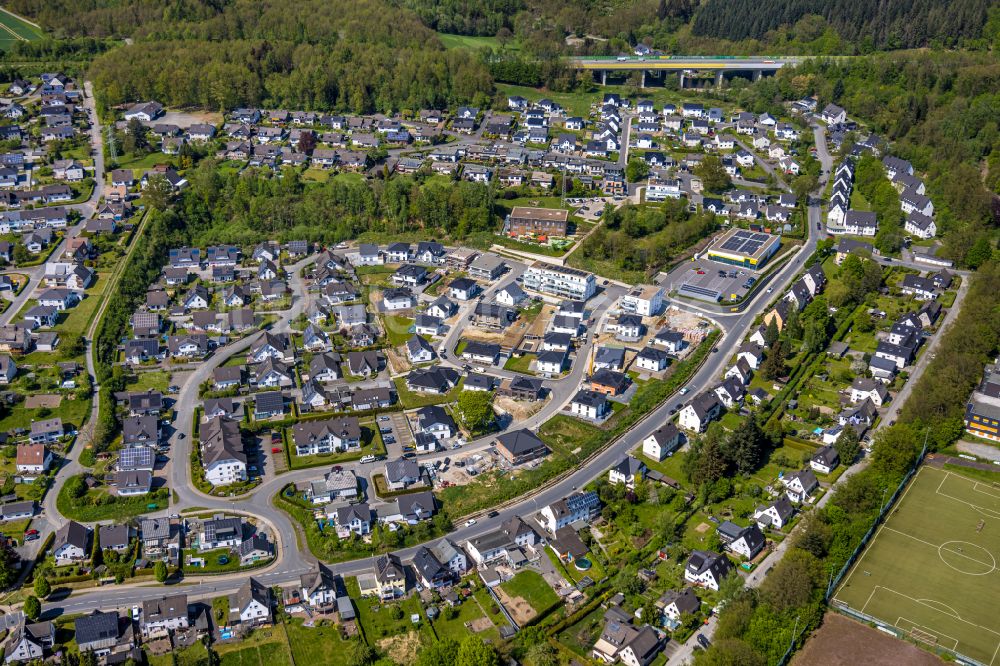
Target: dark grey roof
{"x":112,"y":536}
{"x":427,"y":564}
{"x":520,"y":442}
{"x":165,"y":608}
{"x":72,"y":533}
{"x":630,"y":466}
{"x":686,"y":600}
{"x":395,"y":470}
{"x":413,"y":503}
{"x":98,"y":626}
{"x":269,"y":401}
{"x":388,"y":567}
{"x":589,"y":398}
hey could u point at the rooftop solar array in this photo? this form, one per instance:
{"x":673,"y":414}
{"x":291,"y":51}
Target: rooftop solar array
{"x":701,"y":293}
{"x":745,"y":242}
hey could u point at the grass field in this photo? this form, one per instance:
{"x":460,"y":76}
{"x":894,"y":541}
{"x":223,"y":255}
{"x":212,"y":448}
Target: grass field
{"x":471,"y":42}
{"x":931,"y":570}
{"x":530,"y":586}
{"x":317,"y":646}
{"x":13,"y":29}
{"x":265,"y":647}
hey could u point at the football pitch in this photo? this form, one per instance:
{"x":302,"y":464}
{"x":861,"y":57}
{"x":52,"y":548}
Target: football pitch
{"x":932,"y":568}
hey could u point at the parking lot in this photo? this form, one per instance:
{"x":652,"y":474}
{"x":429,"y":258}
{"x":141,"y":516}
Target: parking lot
{"x":396,"y":434}
{"x":704,"y":279}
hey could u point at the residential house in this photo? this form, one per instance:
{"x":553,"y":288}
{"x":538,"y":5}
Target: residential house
{"x":701,"y":411}
{"x":402,"y":473}
{"x":160,"y":616}
{"x":520,"y":446}
{"x":707,"y":569}
{"x":662,"y":442}
{"x":800,"y":485}
{"x":251,"y":604}
{"x":71,"y":543}
{"x":744,"y":541}
{"x":590,"y":405}
{"x":825,"y":459}
{"x":580,"y":507}
{"x":628,"y":471}
{"x":777,"y":514}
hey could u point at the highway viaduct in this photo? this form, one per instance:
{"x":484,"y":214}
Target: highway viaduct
{"x":686,"y":66}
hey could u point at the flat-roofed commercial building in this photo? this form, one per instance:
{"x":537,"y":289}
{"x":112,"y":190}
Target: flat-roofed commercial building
{"x":739,"y":247}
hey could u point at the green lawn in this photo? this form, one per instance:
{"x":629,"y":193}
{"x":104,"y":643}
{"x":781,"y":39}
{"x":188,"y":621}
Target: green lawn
{"x":411,"y":399}
{"x":530,"y":586}
{"x":349,"y":178}
{"x":212,"y":564}
{"x":15,"y":29}
{"x":520,"y":364}
{"x":858,"y":201}
{"x":471,"y":42}
{"x":454,"y":627}
{"x":567,"y":434}
{"x":316,"y":175}
{"x":71,"y":411}
{"x":264,"y":647}
{"x":398,"y":329}
{"x":140,"y":164}
{"x":95,"y":506}
{"x":317,"y":645}
{"x":158,"y":380}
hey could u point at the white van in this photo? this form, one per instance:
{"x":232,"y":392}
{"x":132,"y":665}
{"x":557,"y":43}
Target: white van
{"x":367,"y":459}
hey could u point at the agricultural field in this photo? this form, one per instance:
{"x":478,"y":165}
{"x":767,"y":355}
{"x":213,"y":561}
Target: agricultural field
{"x":14,"y":29}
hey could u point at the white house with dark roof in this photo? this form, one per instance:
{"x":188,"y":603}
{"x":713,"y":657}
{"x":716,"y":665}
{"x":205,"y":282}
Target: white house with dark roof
{"x":800,"y":485}
{"x":707,"y":569}
{"x":701,"y":411}
{"x":776,"y":514}
{"x":825,"y":459}
{"x":662,"y":442}
{"x":744,"y":541}
{"x":628,"y":471}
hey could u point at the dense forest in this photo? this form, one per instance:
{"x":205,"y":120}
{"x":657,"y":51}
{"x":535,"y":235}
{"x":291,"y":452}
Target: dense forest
{"x":883,"y":24}
{"x":467,"y":17}
{"x":247,"y":208}
{"x":349,"y":77}
{"x":360,"y":56}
